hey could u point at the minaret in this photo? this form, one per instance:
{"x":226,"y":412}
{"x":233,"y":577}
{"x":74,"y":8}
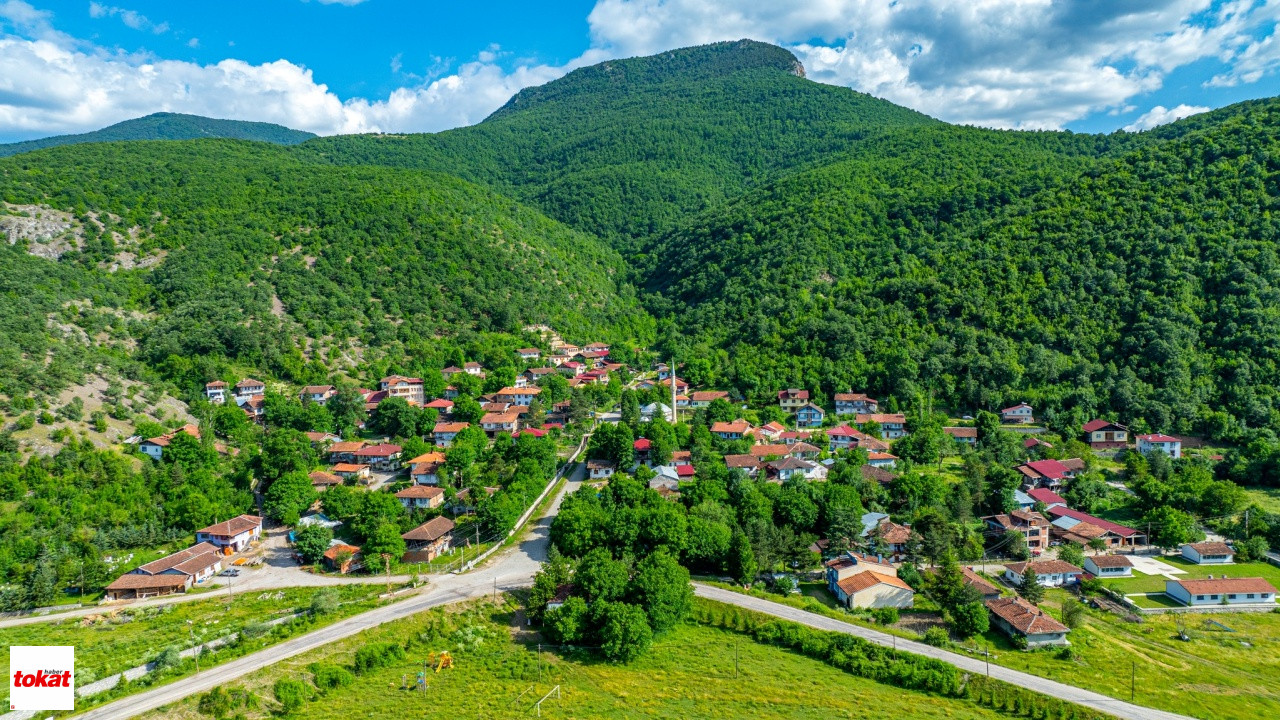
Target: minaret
{"x":672,"y":378}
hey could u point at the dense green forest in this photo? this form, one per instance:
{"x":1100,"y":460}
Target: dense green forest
{"x":285,"y":266}
{"x":626,"y":148}
{"x":981,"y":269}
{"x":169,"y":126}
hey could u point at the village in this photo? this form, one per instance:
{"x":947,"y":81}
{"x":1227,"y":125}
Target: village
{"x":1038,"y":540}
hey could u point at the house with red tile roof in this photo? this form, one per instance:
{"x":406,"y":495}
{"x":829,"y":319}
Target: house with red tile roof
{"x":1108,"y":566}
{"x":1159,"y":442}
{"x":1045,"y":473}
{"x":383,"y":456}
{"x":1020,"y":414}
{"x":418,"y":497}
{"x":1018,"y":618}
{"x":1105,"y":435}
{"x":234,"y":534}
{"x":445,"y":432}
{"x":892,"y":425}
{"x":216,"y":391}
{"x":703,"y":398}
{"x":1222,"y":591}
{"x":1033,"y":526}
{"x":1208,"y":553}
{"x":851,"y":403}
{"x":1051,"y":573}
{"x":963,"y":435}
{"x":792,"y":399}
{"x":1064,"y":518}
{"x":1046,"y":496}
{"x":735,"y":430}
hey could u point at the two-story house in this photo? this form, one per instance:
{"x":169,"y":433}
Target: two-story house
{"x":1159,"y":442}
{"x":445,"y":432}
{"x":216,"y":391}
{"x":403,"y":387}
{"x":318,"y":394}
{"x":852,"y":403}
{"x":1019,"y":414}
{"x":892,"y":425}
{"x":1033,"y":526}
{"x":420,"y":497}
{"x":383,"y":456}
{"x":810,"y":415}
{"x":249,"y":388}
{"x":792,"y":399}
{"x":518,"y":396}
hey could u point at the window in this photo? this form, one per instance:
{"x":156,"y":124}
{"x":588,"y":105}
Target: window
{"x":1199,"y":597}
{"x":1232,"y":596}
{"x":1249,"y":596}
{"x":1213,"y":597}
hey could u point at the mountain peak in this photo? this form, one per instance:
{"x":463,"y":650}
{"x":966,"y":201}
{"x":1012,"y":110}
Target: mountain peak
{"x":700,"y":62}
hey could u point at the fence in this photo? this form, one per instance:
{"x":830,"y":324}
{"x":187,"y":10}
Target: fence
{"x":555,"y":479}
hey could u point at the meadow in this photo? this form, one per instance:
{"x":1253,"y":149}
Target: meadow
{"x":498,"y":672}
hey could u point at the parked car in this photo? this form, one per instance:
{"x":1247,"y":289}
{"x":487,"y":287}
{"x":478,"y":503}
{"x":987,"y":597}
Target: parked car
{"x":230,"y":572}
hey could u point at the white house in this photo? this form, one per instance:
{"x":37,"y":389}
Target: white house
{"x":1158,"y":442}
{"x":318,"y":394}
{"x":445,"y":432}
{"x":1208,"y":553}
{"x":872,"y":589}
{"x":1221,"y":591}
{"x":529,"y":353}
{"x":1108,"y":566}
{"x":881,"y":459}
{"x":892,"y":425}
{"x":1020,"y":413}
{"x":235,"y":533}
{"x":248,"y":388}
{"x":519,"y":396}
{"x":854,"y":403}
{"x":600,"y":469}
{"x":216,"y":391}
{"x":735,"y":430}
{"x":1051,"y":573}
{"x":416,"y":497}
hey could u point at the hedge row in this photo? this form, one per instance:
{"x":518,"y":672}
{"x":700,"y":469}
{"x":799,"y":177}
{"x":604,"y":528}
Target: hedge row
{"x":886,"y":665}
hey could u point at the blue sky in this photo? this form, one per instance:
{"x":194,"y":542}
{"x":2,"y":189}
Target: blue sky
{"x":398,"y":66}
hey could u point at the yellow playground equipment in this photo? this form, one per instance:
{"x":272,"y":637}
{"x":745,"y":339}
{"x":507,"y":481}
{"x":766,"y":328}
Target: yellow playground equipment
{"x":441,"y":660}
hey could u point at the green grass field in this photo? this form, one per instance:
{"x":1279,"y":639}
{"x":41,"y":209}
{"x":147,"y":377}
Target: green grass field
{"x":691,"y":672}
{"x":1141,"y":583}
{"x":1267,"y":497}
{"x":1218,"y":675}
{"x":122,"y":638}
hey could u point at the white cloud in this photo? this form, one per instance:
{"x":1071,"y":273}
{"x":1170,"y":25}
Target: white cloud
{"x":193,"y":43}
{"x":131,"y":18}
{"x":1000,"y":63}
{"x":1161,"y":115}
{"x":51,"y":87}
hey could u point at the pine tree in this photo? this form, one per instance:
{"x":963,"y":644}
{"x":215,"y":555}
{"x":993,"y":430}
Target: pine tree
{"x":742,"y":560}
{"x":1031,"y":589}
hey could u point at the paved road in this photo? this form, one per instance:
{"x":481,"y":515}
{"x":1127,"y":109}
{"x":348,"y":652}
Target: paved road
{"x":1119,"y":708}
{"x":509,"y":570}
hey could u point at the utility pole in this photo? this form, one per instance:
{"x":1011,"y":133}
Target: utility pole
{"x":1133,"y":673}
{"x":495,"y":588}
{"x":539,"y":663}
{"x":192,"y":630}
{"x":986,"y":651}
{"x":736,"y":645}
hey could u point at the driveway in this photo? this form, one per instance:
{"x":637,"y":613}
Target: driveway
{"x":1088,"y":698}
{"x":1148,"y":565}
{"x":511,"y":569}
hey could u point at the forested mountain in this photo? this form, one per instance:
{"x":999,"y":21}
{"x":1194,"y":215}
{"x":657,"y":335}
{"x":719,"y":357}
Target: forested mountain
{"x":981,"y":269}
{"x":624,"y":148}
{"x":169,"y":126}
{"x":782,"y":232}
{"x":281,"y":265}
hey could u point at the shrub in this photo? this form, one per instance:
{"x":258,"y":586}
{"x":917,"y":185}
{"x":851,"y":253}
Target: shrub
{"x":324,"y":602}
{"x":885,"y":615}
{"x":217,"y":702}
{"x":376,"y":655}
{"x":255,"y":630}
{"x":291,"y":694}
{"x":26,"y":422}
{"x":936,"y":637}
{"x":328,"y":677}
{"x":169,"y":657}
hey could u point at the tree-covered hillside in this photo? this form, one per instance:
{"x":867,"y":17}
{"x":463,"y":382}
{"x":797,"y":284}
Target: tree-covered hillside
{"x":286,"y":266}
{"x":169,"y":126}
{"x":983,"y":269}
{"x":624,"y":148}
